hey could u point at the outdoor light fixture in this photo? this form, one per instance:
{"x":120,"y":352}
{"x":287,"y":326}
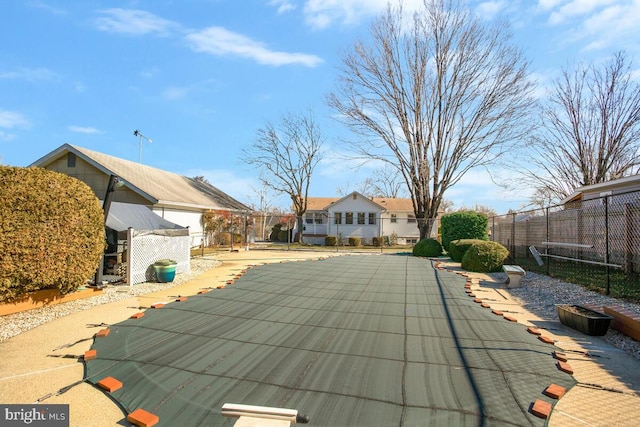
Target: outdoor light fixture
{"x":140,"y":136}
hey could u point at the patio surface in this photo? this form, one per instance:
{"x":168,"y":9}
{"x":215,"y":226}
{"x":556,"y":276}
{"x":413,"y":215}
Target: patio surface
{"x":372,"y":340}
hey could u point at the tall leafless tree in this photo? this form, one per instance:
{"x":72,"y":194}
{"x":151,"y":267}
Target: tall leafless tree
{"x":435,"y":96}
{"x":286,"y":155}
{"x":385,"y":182}
{"x":590,"y":130}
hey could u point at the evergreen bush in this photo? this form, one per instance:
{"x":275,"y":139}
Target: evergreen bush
{"x":463,"y":225}
{"x":458,"y":248}
{"x":485,"y":257}
{"x":51,"y":232}
{"x":377,"y":241}
{"x":355,"y":241}
{"x":283,"y":236}
{"x":273,"y":236}
{"x":427,"y":248}
{"x":330,"y":241}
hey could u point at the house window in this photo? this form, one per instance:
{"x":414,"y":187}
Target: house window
{"x":314,"y":218}
{"x":348,"y":218}
{"x":372,"y":218}
{"x":361,"y":218}
{"x":394,"y":218}
{"x":71,"y":160}
{"x":337,"y":217}
{"x":411,"y":218}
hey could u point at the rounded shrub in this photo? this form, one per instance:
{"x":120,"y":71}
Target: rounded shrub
{"x":463,"y":225}
{"x":330,"y":241}
{"x":273,"y":236}
{"x":283,"y":236}
{"x":377,"y":241}
{"x":427,"y":248}
{"x":484,"y":257}
{"x":355,"y":241}
{"x":458,"y":248}
{"x":51,"y":231}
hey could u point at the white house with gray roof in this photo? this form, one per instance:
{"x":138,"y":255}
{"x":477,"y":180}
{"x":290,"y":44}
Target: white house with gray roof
{"x":356,"y":215}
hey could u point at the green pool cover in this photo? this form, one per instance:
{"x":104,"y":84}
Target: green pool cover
{"x":366,"y":340}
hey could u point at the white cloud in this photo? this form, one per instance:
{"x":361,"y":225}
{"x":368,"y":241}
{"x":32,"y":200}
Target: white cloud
{"x":320,"y":14}
{"x":5,"y":136}
{"x":46,"y":7}
{"x":548,"y":4}
{"x":28,"y":74}
{"x":83,"y":129}
{"x":180,"y":92}
{"x":490,"y":9}
{"x":222,"y":42}
{"x":577,"y":8}
{"x":11,"y":119}
{"x":283,"y":6}
{"x":133,"y":22}
{"x":597,"y":24}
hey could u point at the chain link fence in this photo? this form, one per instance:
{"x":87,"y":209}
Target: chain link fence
{"x":593,"y":242}
{"x":361,"y":227}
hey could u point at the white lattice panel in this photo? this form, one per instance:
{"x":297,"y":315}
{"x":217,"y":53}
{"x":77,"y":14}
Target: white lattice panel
{"x":148,"y":248}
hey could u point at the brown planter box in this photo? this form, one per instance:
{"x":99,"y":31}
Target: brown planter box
{"x":583,"y":319}
{"x":43,"y":298}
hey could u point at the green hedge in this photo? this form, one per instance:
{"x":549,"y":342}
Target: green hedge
{"x":377,"y":241}
{"x":458,"y":248}
{"x":51,"y":232}
{"x":463,"y":225}
{"x":355,"y":241}
{"x":427,"y":248}
{"x":273,"y":236}
{"x":330,"y":241}
{"x":485,"y":257}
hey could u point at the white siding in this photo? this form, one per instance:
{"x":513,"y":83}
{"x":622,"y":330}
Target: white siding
{"x":191,"y":219}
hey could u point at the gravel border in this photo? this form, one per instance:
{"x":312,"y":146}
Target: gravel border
{"x":539,"y":294}
{"x":15,"y":324}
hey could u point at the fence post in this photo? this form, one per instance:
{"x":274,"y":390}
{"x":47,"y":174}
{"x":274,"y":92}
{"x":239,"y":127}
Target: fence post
{"x":513,"y":237}
{"x":606,"y":242}
{"x":547,"y":238}
{"x":129,"y":259}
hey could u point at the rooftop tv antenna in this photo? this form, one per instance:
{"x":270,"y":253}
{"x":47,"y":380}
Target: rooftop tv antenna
{"x":140,"y":136}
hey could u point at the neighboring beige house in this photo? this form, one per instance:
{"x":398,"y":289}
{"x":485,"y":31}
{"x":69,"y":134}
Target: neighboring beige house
{"x":603,"y":189}
{"x":356,"y":215}
{"x":178,"y":199}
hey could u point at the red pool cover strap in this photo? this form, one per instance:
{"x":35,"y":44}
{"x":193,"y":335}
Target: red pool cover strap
{"x":366,"y":340}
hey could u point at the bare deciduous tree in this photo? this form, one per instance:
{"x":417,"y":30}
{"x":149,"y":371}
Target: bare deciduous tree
{"x":590,"y":131}
{"x":434,"y":98}
{"x":286,"y":156}
{"x":386,"y":182}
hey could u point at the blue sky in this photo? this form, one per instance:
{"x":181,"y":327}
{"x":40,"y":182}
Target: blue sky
{"x":200,"y":77}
